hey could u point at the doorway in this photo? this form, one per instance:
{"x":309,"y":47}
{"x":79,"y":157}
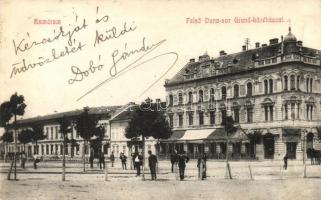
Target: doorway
{"x":268,"y":142}
{"x":291,"y":150}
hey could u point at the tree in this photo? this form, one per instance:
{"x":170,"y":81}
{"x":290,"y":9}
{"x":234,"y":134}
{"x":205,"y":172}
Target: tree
{"x":65,"y":128}
{"x":148,"y":121}
{"x":13,"y":108}
{"x":7,"y":138}
{"x":37,"y":134}
{"x":86,"y":126}
{"x":228,"y":124}
{"x":25,"y":136}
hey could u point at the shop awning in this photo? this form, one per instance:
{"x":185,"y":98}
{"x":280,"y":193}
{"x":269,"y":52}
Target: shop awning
{"x":220,"y":135}
{"x":291,"y":131}
{"x":196,"y":134}
{"x":176,"y":135}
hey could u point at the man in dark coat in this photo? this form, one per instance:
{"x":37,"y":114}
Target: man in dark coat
{"x":102,"y":160}
{"x":285,"y":159}
{"x":182,"y":160}
{"x":112,"y":158}
{"x":174,"y":159}
{"x":123,"y":159}
{"x":152,"y":161}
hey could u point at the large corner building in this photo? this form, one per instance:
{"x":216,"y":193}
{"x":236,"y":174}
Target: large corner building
{"x":273,"y":89}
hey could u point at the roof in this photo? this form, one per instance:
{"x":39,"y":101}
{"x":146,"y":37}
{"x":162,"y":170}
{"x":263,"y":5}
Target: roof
{"x":103,"y":110}
{"x":235,"y":62}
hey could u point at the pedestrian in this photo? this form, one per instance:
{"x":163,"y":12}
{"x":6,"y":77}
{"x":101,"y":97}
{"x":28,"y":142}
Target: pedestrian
{"x":36,"y":159}
{"x":102,"y":160}
{"x":285,"y":159}
{"x":182,"y":160}
{"x":91,"y":159}
{"x":201,"y":165}
{"x":23,"y":159}
{"x":123,"y":160}
{"x":152,"y":161}
{"x":112,"y":159}
{"x":138,"y":162}
{"x":174,"y":159}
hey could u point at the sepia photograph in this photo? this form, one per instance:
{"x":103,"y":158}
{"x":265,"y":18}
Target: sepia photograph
{"x":120,"y":100}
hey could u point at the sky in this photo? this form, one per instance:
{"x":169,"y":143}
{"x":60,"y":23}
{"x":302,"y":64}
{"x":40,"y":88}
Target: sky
{"x":154,"y":38}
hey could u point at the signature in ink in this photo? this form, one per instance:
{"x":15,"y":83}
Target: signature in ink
{"x":144,"y":50}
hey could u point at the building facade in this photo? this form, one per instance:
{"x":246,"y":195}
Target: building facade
{"x":273,"y":90}
{"x":51,"y":147}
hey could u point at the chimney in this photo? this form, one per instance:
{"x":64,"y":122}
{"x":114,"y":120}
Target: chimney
{"x":257,"y":45}
{"x":264,"y":45}
{"x":158,"y":100}
{"x":222,"y":53}
{"x":243,"y":48}
{"x":274,"y":41}
{"x":192,"y":60}
{"x":300,"y":43}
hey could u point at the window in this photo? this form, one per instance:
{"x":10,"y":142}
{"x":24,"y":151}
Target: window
{"x":271,"y":85}
{"x":249,"y":115}
{"x":223,"y":112}
{"x":190,"y":97}
{"x":298,"y":82}
{"x":201,"y":118}
{"x":265,"y":86}
{"x":180,"y":99}
{"x":286,"y":111}
{"x":292,"y":82}
{"x":236,"y":115}
{"x":47,"y":132}
{"x":271,"y":113}
{"x":170,"y":121}
{"x":285,"y":82}
{"x":266,"y":113}
{"x":249,"y":89}
{"x":236,"y":90}
{"x":180,"y":120}
{"x":200,"y":96}
{"x":190,"y":118}
{"x":212,"y":117}
{"x":171,"y":100}
{"x":292,"y":111}
{"x":309,"y":111}
{"x":223,"y":93}
{"x":212,"y":94}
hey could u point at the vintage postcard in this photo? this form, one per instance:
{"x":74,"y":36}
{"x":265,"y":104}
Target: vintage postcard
{"x":160,"y":99}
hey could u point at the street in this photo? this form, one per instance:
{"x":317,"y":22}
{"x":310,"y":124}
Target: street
{"x":269,"y":180}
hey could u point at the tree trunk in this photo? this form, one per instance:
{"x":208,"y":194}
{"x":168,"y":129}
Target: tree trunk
{"x":143,"y":167}
{"x":36,"y":152}
{"x":228,"y":169}
{"x":15,"y":147}
{"x":64,"y":159}
{"x":84,"y":156}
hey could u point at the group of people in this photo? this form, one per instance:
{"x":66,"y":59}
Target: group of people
{"x":101,"y":160}
{"x":180,"y":160}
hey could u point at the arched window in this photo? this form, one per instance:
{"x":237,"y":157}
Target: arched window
{"x":292,"y":82}
{"x":307,"y":84}
{"x":212,"y":94}
{"x":236,"y":90}
{"x":265,"y":86}
{"x":249,"y":89}
{"x":171,"y":100}
{"x":271,"y":85}
{"x":298,"y":82}
{"x":223,"y":93}
{"x":200,"y":96}
{"x":190,"y":97}
{"x":285,"y":83}
{"x":180,"y":99}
